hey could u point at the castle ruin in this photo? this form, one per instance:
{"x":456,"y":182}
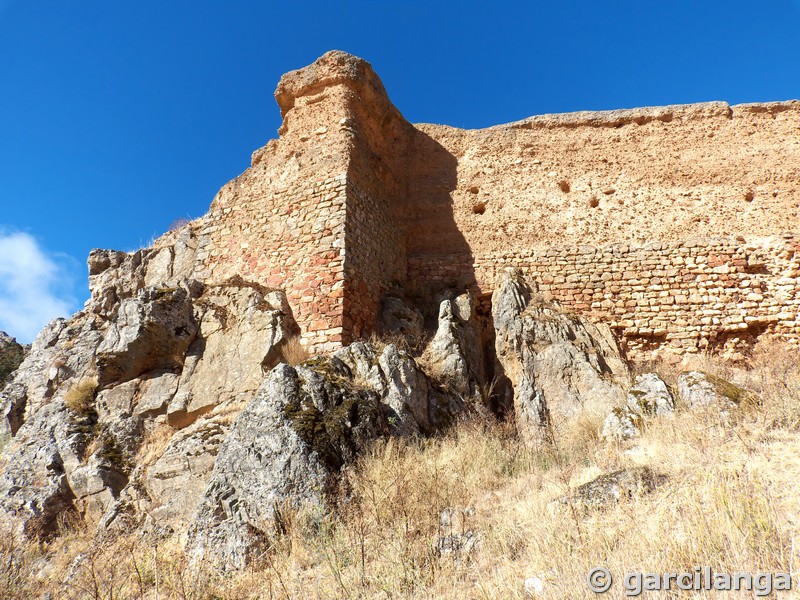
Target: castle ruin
{"x":673,"y":225}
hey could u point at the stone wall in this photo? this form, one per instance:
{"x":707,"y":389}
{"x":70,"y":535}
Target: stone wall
{"x":292,"y":240}
{"x":352,"y":199}
{"x":691,"y":296}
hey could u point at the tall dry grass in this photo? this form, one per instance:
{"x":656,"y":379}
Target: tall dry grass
{"x":730,"y":501}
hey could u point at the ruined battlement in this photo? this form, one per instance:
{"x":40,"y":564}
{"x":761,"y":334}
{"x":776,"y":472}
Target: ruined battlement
{"x":672,"y":224}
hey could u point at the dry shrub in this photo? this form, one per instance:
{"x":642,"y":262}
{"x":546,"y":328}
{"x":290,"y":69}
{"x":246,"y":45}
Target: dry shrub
{"x":293,"y":351}
{"x":80,"y":397}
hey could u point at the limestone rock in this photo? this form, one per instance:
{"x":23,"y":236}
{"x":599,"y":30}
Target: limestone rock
{"x":34,"y":489}
{"x":62,"y":354}
{"x":555,"y":364}
{"x":276,"y":453}
{"x":697,"y":389}
{"x":11,"y":356}
{"x":397,"y":317}
{"x":151,"y":331}
{"x":621,"y":424}
{"x":454,"y":354}
{"x":173,"y":485}
{"x":241,"y":328}
{"x":649,"y":395}
{"x":614,"y":487}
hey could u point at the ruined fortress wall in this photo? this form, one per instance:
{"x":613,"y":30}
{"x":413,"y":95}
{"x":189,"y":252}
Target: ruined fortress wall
{"x":668,"y":223}
{"x":636,"y":218}
{"x":629,"y":176}
{"x":713,"y":294}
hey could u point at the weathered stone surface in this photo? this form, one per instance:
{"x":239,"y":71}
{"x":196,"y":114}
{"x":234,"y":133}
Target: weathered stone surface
{"x":11,"y":356}
{"x":62,"y":354}
{"x":622,"y":423}
{"x":556,"y":364}
{"x":174,"y":484}
{"x":649,"y":395}
{"x":454,"y":355}
{"x":276,"y":453}
{"x":614,"y":487}
{"x":34,"y":489}
{"x":397,"y":317}
{"x":697,"y":389}
{"x":151,"y":331}
{"x":241,"y":328}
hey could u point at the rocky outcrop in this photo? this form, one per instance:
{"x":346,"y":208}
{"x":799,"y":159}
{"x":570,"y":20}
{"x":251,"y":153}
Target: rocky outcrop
{"x":152,"y":352}
{"x":11,"y":356}
{"x":456,"y":352}
{"x":554,"y":364}
{"x":648,"y":396}
{"x":303,"y":425}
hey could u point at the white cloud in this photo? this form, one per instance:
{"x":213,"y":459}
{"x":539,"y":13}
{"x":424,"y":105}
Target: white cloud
{"x":35,"y":287}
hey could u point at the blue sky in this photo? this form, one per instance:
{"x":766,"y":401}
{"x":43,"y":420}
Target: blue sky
{"x":117,"y":118}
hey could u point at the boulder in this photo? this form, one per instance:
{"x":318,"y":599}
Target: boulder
{"x":697,"y":389}
{"x":614,"y":487}
{"x":649,"y":395}
{"x":622,"y":423}
{"x":277,"y":453}
{"x":553,"y":364}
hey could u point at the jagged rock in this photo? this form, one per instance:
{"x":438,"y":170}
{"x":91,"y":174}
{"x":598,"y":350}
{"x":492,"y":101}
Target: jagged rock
{"x":454,"y":354}
{"x":297,"y":432}
{"x":151,"y":331}
{"x":697,"y":389}
{"x":277,"y":452}
{"x":622,"y":423}
{"x":34,"y":489}
{"x":649,"y":395}
{"x":397,"y":317}
{"x":613,"y":487}
{"x":62,"y":354}
{"x":241,"y":328}
{"x":555,"y":364}
{"x":173,"y":485}
{"x":11,"y":356}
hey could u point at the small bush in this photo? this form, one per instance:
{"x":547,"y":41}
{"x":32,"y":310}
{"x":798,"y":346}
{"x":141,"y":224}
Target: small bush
{"x":293,"y":352}
{"x":80,"y":397}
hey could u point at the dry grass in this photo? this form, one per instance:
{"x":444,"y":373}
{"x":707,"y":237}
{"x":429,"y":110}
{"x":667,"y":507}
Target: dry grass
{"x":80,"y":397}
{"x":730,"y":502}
{"x":293,"y":352}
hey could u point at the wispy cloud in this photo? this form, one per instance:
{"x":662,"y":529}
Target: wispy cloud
{"x":35,"y":286}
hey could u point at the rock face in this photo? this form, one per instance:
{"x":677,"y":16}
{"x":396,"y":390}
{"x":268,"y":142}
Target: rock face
{"x":95,"y":410}
{"x":555,"y":364}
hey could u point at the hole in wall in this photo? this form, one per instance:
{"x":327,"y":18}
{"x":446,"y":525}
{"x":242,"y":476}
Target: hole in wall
{"x":594,"y":202}
{"x":749,"y":196}
{"x":479,"y":208}
{"x":564,"y":185}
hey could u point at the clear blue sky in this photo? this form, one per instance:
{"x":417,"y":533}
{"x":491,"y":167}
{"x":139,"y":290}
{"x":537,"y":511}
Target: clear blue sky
{"x":117,"y":118}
